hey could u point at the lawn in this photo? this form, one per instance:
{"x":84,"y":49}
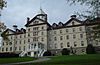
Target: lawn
{"x":14,"y":60}
{"x":72,"y":60}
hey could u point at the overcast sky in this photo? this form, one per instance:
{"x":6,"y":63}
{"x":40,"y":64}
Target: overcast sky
{"x":57,"y":10}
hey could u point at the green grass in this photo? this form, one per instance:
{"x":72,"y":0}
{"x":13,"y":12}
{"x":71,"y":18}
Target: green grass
{"x":14,"y":60}
{"x":59,"y":60}
{"x":72,"y":60}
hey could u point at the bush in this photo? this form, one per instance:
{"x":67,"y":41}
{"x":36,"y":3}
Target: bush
{"x":65,"y":51}
{"x":8,"y":55}
{"x":90,"y":49}
{"x":47,"y":53}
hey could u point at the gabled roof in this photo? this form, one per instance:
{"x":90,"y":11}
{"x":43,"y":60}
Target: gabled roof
{"x":74,"y":20}
{"x":8,"y":30}
{"x":33,"y":20}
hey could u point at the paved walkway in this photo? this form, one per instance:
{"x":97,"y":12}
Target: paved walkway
{"x":38,"y":60}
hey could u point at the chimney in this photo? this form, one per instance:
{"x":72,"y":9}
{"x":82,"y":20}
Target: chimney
{"x":73,"y":16}
{"x":28,"y":19}
{"x":15,"y":27}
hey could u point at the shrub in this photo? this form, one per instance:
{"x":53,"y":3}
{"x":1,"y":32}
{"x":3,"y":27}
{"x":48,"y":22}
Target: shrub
{"x":65,"y":51}
{"x":47,"y":53}
{"x":8,"y":55}
{"x":90,"y":49}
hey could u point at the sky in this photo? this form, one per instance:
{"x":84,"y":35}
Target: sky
{"x":17,"y":11}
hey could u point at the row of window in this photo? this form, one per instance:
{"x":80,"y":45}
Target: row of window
{"x":67,"y":30}
{"x":36,"y":28}
{"x":7,"y":49}
{"x":7,"y":43}
{"x":36,"y":39}
{"x":68,"y":44}
{"x":67,"y":37}
{"x":11,"y":49}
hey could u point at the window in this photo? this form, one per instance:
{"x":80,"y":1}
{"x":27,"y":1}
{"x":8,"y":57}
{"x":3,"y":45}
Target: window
{"x":20,"y":36}
{"x":20,"y":41}
{"x":2,"y":49}
{"x":54,"y":32}
{"x":19,"y":48}
{"x":3,"y":43}
{"x":10,"y":43}
{"x":81,"y":35}
{"x":15,"y":48}
{"x":11,"y":37}
{"x":28,"y":29}
{"x":24,"y":36}
{"x":15,"y":42}
{"x":10,"y":48}
{"x":16,"y":37}
{"x":42,"y":27}
{"x":82,"y":43}
{"x":74,"y":36}
{"x":55,"y":38}
{"x":96,"y":42}
{"x":55,"y":45}
{"x":67,"y":30}
{"x":28,"y":40}
{"x":35,"y":28}
{"x":36,"y":22}
{"x":73,"y":29}
{"x":75,"y":44}
{"x":28,"y":34}
{"x":24,"y":48}
{"x":80,"y":29}
{"x":60,"y":31}
{"x":67,"y":37}
{"x":61,"y":37}
{"x":35,"y":33}
{"x":83,"y":50}
{"x":24,"y":41}
{"x":42,"y":39}
{"x":6,"y":43}
{"x":73,"y":23}
{"x":6,"y":49}
{"x":61,"y":45}
{"x":68,"y":44}
{"x":35,"y":39}
{"x":42,"y":33}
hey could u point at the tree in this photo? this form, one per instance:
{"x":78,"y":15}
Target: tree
{"x":94,"y":6}
{"x":90,"y":49}
{"x":92,"y":13}
{"x":65,"y":51}
{"x":2,"y":4}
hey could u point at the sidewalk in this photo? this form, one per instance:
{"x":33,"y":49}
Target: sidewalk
{"x":38,"y":60}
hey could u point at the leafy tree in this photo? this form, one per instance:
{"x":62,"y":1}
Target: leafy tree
{"x":92,"y":13}
{"x":5,"y":37}
{"x":65,"y":51}
{"x":2,"y":4}
{"x":94,"y":6}
{"x":90,"y":49}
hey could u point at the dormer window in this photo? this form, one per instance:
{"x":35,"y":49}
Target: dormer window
{"x":73,"y":23}
{"x":60,"y":24}
{"x":54,"y":25}
{"x":36,"y":22}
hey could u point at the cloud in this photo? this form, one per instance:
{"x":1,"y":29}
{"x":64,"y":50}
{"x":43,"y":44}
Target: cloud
{"x":18,"y":10}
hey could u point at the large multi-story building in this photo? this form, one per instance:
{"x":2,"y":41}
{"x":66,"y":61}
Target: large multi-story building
{"x":39,"y":36}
